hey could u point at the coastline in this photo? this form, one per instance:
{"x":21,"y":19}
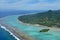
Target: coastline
{"x":19,"y":35}
{"x":46,"y":27}
{"x":9,"y":32}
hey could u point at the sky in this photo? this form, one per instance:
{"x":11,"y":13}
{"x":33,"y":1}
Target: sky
{"x":30,"y":4}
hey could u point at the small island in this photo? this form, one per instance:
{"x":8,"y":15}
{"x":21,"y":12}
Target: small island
{"x":44,"y":30}
{"x":49,"y":18}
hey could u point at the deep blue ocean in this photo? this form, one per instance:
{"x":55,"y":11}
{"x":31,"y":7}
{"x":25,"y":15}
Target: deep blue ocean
{"x":17,"y":12}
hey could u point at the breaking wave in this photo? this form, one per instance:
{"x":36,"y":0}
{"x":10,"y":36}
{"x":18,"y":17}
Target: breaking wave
{"x":10,"y":32}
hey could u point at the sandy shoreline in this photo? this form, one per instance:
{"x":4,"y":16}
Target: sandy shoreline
{"x":46,"y":27}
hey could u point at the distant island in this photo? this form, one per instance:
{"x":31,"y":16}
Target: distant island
{"x":49,"y":18}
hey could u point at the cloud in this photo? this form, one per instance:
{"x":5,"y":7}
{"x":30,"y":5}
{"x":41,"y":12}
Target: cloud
{"x":8,"y":1}
{"x":30,"y":4}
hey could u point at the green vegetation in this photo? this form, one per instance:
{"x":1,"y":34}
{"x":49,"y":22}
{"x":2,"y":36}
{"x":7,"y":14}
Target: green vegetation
{"x":49,"y":18}
{"x":44,"y":30}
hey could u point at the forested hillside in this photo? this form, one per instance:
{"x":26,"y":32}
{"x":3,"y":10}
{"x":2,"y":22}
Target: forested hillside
{"x":49,"y":18}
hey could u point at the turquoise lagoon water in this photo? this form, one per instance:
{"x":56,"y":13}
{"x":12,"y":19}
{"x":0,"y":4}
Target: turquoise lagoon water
{"x":33,"y":31}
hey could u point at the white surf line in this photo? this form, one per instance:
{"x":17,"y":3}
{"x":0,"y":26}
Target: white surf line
{"x":9,"y":32}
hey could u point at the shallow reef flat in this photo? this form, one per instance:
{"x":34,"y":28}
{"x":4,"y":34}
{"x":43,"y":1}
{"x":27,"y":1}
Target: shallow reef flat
{"x":18,"y":33}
